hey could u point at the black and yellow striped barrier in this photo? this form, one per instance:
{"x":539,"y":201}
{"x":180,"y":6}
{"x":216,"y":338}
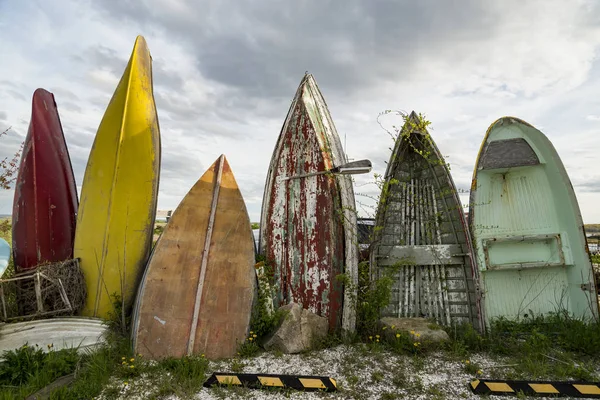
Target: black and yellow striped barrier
{"x":536,"y":388}
{"x":260,"y":381}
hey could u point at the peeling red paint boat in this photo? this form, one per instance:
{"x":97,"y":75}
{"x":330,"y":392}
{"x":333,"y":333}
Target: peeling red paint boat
{"x":308,"y":225}
{"x":45,"y":202}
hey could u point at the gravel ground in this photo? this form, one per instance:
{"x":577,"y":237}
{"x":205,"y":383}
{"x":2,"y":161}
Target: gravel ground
{"x":360,"y":374}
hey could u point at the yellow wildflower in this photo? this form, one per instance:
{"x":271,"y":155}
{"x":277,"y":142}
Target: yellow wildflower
{"x":125,"y":383}
{"x":203,"y":355}
{"x":417,"y":334}
{"x":415,"y":344}
{"x":397,"y":335}
{"x":412,"y":332}
{"x":254,"y":336}
{"x":132,"y":366}
{"x":377,"y":336}
{"x":370,"y":337}
{"x":122,"y":358}
{"x":250,"y":339}
{"x":467,"y":362}
{"x":479,"y":372}
{"x":384,"y":328}
{"x":132,"y":360}
{"x":393,"y":326}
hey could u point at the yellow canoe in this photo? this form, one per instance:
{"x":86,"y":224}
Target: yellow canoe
{"x":117,"y":209}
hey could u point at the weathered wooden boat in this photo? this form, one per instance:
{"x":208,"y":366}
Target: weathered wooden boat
{"x":197,"y":291}
{"x":527,"y":228}
{"x":45,"y":200}
{"x":308,"y":224}
{"x":4,"y":256}
{"x":116,"y":216}
{"x":55,"y":334}
{"x":421,"y":235}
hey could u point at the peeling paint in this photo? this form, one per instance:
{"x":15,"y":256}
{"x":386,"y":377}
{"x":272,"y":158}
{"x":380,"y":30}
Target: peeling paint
{"x":162,"y":322}
{"x":302,"y":232}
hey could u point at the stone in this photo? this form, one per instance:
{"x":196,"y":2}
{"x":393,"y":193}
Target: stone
{"x":427,"y":330}
{"x":298,"y":330}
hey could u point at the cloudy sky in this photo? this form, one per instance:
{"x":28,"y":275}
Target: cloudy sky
{"x":225,"y":73}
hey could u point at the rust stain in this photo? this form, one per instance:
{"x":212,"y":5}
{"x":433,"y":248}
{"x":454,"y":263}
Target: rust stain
{"x":301,"y":232}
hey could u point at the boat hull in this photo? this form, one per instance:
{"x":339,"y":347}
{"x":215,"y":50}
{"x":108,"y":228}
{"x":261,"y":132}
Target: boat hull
{"x":424,"y":242}
{"x":119,"y":193}
{"x":84,"y":334}
{"x":527,"y":228}
{"x":308,"y":225}
{"x":45,"y":202}
{"x":4,"y":256}
{"x":197,"y":292}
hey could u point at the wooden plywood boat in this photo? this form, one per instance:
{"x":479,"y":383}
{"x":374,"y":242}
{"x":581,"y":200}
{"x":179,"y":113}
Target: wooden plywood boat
{"x":424,"y":234}
{"x":59,"y":333}
{"x":197,"y":292}
{"x":45,"y":201}
{"x":527,"y":228}
{"x":308,"y":225}
{"x":120,"y":188}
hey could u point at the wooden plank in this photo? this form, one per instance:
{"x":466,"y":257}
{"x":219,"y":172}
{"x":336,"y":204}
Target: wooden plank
{"x":209,"y":231}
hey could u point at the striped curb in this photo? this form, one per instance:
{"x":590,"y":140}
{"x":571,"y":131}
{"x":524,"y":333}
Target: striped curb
{"x":536,"y":388}
{"x":261,"y":381}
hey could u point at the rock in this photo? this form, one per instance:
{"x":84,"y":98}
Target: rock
{"x":298,"y":330}
{"x":428,"y":331}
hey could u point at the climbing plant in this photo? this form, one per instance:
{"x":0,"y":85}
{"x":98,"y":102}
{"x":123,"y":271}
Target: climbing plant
{"x":9,"y":166}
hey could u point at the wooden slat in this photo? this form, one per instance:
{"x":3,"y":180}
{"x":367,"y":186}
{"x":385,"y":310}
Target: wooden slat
{"x":421,"y":255}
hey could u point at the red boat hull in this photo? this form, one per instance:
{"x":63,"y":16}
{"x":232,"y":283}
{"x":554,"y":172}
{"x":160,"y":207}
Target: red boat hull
{"x":45,"y":203}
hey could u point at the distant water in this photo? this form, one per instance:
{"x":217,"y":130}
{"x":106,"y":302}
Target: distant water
{"x":2,"y":216}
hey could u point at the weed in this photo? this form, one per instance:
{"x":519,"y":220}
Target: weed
{"x":472,"y":368}
{"x":237,"y":366}
{"x":376,"y":376}
{"x":249,"y":347}
{"x":264,"y":320}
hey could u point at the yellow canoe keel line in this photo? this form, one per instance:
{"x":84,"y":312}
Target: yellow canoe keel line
{"x":117,"y":209}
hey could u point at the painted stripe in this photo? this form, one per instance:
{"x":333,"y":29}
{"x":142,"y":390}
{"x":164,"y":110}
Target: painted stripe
{"x":209,"y":229}
{"x":587,"y":389}
{"x":228,"y":380}
{"x":312,"y":383}
{"x":499,"y":387}
{"x":543,"y":388}
{"x":270,"y":381}
{"x":475,"y":383}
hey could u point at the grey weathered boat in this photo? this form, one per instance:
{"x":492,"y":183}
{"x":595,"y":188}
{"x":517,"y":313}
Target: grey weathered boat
{"x":59,"y":333}
{"x":421,"y":230}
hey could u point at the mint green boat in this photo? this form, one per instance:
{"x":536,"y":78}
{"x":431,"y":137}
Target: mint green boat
{"x":527,"y":229}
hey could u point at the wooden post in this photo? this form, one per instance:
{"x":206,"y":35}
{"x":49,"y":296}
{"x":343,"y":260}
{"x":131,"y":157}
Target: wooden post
{"x":38,"y":293}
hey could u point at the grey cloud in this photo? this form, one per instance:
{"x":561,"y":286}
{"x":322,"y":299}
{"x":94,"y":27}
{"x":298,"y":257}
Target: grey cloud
{"x":3,"y":116}
{"x":592,"y":185}
{"x":265,"y":48}
{"x":104,"y":58}
{"x":16,"y":94}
